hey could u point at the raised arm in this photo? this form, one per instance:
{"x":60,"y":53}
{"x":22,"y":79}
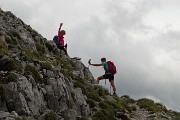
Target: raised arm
{"x":60,"y":26}
{"x":93,"y":64}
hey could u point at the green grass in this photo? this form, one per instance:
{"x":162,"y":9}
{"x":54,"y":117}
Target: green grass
{"x":8,"y":77}
{"x":27,"y":55}
{"x":46,"y":65}
{"x":40,"y":48}
{"x":50,"y":116}
{"x":150,"y":105}
{"x":9,"y":66}
{"x":3,"y":49}
{"x":31,"y":70}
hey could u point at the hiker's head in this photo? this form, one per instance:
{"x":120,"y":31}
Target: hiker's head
{"x":103,"y":59}
{"x":62,"y":32}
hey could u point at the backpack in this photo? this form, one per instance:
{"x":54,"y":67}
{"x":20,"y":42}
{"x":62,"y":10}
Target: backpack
{"x":111,"y":67}
{"x":55,"y":39}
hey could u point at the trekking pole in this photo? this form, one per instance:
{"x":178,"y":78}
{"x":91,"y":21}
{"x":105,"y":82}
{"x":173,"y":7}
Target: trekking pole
{"x":110,"y":89}
{"x":89,"y":63}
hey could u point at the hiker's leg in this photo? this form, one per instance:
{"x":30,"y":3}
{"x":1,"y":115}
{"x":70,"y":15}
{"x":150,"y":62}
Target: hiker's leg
{"x":113,"y":85}
{"x":62,"y":48}
{"x":99,"y":78}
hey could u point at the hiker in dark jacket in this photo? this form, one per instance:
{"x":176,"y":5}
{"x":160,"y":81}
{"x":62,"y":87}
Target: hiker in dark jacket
{"x":61,"y":34}
{"x":107,"y":74}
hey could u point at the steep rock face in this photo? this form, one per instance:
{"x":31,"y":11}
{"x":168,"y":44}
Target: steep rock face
{"x":35,"y":76}
{"x":39,"y":82}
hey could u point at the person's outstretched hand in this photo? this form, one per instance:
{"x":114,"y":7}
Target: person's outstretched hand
{"x":89,"y":61}
{"x":61,"y":24}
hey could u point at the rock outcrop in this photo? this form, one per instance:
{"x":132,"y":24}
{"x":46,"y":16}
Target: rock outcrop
{"x":39,"y":82}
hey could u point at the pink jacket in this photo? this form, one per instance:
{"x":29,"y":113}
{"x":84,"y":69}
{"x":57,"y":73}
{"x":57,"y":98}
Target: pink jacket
{"x":60,"y":39}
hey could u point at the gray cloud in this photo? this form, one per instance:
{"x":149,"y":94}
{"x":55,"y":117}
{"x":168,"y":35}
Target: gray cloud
{"x":147,"y":59}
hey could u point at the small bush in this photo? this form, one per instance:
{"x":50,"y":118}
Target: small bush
{"x":149,"y":105}
{"x":50,"y":116}
{"x":46,"y":65}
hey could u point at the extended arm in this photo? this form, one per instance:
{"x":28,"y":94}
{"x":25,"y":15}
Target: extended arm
{"x":60,"y":26}
{"x":94,"y":64}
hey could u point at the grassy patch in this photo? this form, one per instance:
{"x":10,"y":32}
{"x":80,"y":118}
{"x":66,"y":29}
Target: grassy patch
{"x":104,"y":115}
{"x":8,"y":77}
{"x":40,"y":48}
{"x":50,"y":116}
{"x":3,"y":50}
{"x":9,"y":66}
{"x":31,"y":70}
{"x":20,"y":118}
{"x":49,"y":46}
{"x":46,"y":65}
{"x":27,"y":55}
{"x":149,"y":105}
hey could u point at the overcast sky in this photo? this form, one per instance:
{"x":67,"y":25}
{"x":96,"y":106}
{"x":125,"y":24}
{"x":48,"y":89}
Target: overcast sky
{"x":140,"y":36}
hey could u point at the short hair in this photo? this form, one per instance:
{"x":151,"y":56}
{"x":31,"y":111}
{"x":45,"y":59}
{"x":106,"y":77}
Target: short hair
{"x":63,"y":31}
{"x":103,"y":59}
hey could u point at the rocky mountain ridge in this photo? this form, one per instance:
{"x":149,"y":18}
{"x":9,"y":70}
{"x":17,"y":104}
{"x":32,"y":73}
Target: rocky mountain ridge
{"x":39,"y":82}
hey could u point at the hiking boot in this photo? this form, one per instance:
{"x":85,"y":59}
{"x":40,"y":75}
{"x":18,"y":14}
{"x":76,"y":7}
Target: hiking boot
{"x":114,"y":93}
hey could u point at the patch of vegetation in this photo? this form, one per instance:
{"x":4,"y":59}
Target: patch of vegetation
{"x":83,"y":118}
{"x":87,"y":90}
{"x":174,"y":115}
{"x":2,"y":92}
{"x":69,"y":104}
{"x":104,"y":115}
{"x":20,"y":118}
{"x":46,"y":65}
{"x":13,"y":33}
{"x":31,"y":70}
{"x":27,"y":55}
{"x":3,"y":50}
{"x":68,"y":73}
{"x":40,"y":48}
{"x":101,"y":91}
{"x":9,"y":66}
{"x":51,"y":116}
{"x":11,"y":40}
{"x":91,"y":103}
{"x":49,"y":46}
{"x":8,"y":77}
{"x":127,"y":99}
{"x":149,"y":105}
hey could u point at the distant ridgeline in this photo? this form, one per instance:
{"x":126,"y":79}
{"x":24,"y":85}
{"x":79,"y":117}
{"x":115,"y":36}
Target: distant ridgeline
{"x":39,"y":82}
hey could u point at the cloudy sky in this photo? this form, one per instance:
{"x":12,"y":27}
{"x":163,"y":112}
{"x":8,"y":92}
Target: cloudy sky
{"x":140,"y":36}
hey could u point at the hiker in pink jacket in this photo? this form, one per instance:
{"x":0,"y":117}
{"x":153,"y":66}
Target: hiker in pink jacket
{"x":61,"y":34}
